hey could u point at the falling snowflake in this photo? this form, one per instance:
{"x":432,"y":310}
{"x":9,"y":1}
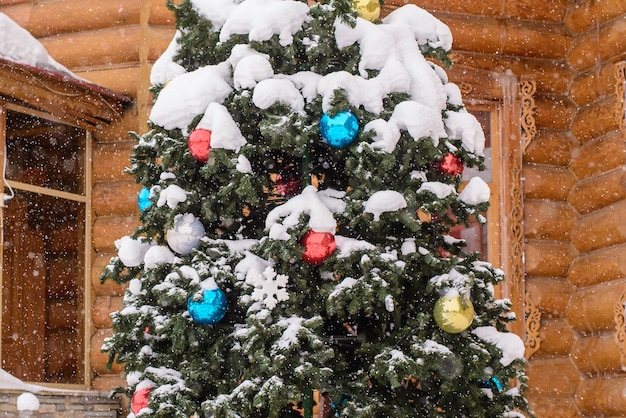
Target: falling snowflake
{"x":269,"y":287}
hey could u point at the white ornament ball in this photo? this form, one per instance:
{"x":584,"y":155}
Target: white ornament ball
{"x":186,"y":234}
{"x":131,"y":251}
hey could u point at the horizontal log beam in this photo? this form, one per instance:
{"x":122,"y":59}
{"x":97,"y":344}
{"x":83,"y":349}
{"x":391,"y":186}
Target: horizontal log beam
{"x":599,"y":156}
{"x":554,"y":112}
{"x":589,"y":14}
{"x":115,"y":197}
{"x":557,"y":376}
{"x":102,"y":309}
{"x":600,"y":266}
{"x":100,"y":359}
{"x":553,"y":77}
{"x":125,"y":80}
{"x":597,"y":354}
{"x":109,"y":287}
{"x":548,"y":11}
{"x":601,"y":229}
{"x":591,"y":309}
{"x":548,"y":258}
{"x":557,"y":338}
{"x":601,"y":45}
{"x":598,"y":192}
{"x":548,"y":220}
{"x":552,"y":147}
{"x":602,"y":396}
{"x":596,"y":120}
{"x":547,"y":182}
{"x":550,"y":295}
{"x":108,"y":229}
{"x":553,"y":405}
{"x":110,"y":160}
{"x":593,"y":85}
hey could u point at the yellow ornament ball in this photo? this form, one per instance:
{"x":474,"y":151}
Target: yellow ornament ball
{"x":453,"y":313}
{"x":367,"y":9}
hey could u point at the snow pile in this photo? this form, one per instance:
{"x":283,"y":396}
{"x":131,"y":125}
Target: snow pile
{"x":27,"y":402}
{"x":18,"y":45}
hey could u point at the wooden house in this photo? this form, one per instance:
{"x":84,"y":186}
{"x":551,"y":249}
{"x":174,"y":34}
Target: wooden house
{"x":547,"y":79}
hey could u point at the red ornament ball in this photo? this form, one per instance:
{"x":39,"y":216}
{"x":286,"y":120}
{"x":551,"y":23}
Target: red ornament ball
{"x":139,"y":400}
{"x":318,"y":246}
{"x":287,"y":185}
{"x":199,"y":144}
{"x":451,"y":164}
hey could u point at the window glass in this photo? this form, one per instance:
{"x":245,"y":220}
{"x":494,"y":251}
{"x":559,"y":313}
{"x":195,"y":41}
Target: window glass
{"x":43,"y":271}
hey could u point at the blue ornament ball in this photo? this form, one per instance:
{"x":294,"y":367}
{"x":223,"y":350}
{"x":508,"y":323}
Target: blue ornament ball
{"x":340,"y":130}
{"x":143,"y":199}
{"x":211,"y":309}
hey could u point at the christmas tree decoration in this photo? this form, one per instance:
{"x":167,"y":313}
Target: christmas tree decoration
{"x":340,"y":130}
{"x":451,"y":165}
{"x":143,"y":199}
{"x":186,"y":233}
{"x":367,"y":9}
{"x":318,"y":246}
{"x":140,"y":400}
{"x":453,"y":313}
{"x":325,"y":280}
{"x":199,"y":144}
{"x":210,"y":309}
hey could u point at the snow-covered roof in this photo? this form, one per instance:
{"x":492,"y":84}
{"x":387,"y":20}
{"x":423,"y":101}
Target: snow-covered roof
{"x":19,"y":46}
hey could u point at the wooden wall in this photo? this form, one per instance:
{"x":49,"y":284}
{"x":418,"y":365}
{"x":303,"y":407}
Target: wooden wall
{"x":573,"y":170}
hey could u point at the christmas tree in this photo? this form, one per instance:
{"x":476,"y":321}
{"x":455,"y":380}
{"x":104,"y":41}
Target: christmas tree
{"x":301,"y":174}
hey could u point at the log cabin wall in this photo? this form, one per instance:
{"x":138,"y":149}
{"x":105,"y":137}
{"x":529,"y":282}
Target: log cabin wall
{"x":111,"y":43}
{"x":574,"y":182}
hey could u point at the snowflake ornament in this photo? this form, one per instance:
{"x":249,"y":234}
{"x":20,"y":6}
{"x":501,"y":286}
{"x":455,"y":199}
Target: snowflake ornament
{"x":269,"y":287}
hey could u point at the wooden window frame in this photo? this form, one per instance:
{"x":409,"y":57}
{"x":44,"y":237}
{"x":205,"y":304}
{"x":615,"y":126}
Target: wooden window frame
{"x":84,"y":198}
{"x":500,"y":93}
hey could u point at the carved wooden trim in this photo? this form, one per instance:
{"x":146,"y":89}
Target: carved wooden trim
{"x":528,"y":88}
{"x":620,"y":326}
{"x":620,"y":82}
{"x":533,"y":323}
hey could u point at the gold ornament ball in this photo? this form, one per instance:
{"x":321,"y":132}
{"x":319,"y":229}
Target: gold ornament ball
{"x":453,"y":314}
{"x":367,"y":9}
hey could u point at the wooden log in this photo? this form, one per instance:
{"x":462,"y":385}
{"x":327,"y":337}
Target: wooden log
{"x":551,"y":295}
{"x":597,"y":267}
{"x":589,"y":14}
{"x":601,"y":229}
{"x":160,"y":14}
{"x":102,"y":309}
{"x":553,"y":77}
{"x":548,"y":220}
{"x":550,"y":11}
{"x":100,"y":359}
{"x":598,"y":192}
{"x":557,"y":338}
{"x":548,"y":258}
{"x":49,"y":18}
{"x":551,"y":147}
{"x":595,"y":120}
{"x":107,"y":382}
{"x":507,"y":37}
{"x":123,"y":80}
{"x":597,"y":354}
{"x":115,"y":197}
{"x":110,"y":161}
{"x":591,"y":309}
{"x":108,"y":229}
{"x":556,"y":376}
{"x":599,"y":45}
{"x":599,"y":156}
{"x":554,"y":112}
{"x":119,"y":131}
{"x":109,"y":287}
{"x":95,"y":49}
{"x":553,"y":406}
{"x":543,"y":181}
{"x":593,"y":85}
{"x":602,"y":396}
{"x":159,"y":38}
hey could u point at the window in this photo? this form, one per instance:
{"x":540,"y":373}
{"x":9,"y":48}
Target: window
{"x":44,"y":247}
